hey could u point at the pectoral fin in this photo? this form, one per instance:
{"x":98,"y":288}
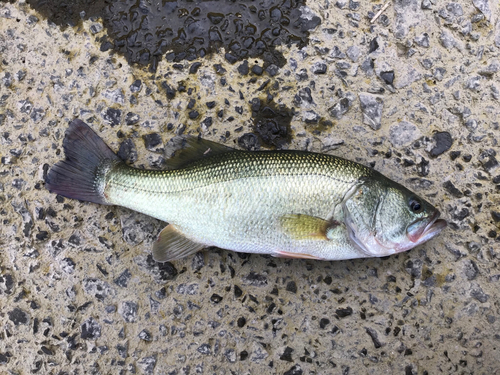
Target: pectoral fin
{"x":304,"y":227}
{"x":172,"y":245}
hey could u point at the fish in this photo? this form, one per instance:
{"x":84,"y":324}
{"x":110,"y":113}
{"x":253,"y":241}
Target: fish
{"x":286,"y":203}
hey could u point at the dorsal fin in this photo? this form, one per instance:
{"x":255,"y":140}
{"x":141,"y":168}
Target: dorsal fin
{"x":187,"y":149}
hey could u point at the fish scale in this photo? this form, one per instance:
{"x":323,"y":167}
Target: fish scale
{"x":234,"y":192}
{"x":127,"y":186}
{"x":239,"y":165}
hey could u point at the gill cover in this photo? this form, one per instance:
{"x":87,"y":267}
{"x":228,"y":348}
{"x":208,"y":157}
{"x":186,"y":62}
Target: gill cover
{"x":360,"y":217}
{"x":384,"y":217}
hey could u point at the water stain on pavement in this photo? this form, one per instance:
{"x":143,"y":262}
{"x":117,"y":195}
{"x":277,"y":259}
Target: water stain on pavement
{"x":147,"y":31}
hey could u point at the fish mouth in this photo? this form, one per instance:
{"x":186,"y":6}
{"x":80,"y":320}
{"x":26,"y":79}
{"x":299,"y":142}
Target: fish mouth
{"x":418,"y":233}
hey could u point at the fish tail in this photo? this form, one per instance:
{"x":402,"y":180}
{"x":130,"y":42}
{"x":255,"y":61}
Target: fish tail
{"x":82,"y":175}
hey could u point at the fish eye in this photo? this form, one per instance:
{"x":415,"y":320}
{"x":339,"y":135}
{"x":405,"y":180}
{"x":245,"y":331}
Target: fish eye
{"x":415,"y":205}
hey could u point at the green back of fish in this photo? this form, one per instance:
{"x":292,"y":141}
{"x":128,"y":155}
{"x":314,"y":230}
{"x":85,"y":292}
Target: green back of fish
{"x":124,"y":184}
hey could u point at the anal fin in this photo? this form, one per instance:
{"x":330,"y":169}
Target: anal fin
{"x":172,"y":245}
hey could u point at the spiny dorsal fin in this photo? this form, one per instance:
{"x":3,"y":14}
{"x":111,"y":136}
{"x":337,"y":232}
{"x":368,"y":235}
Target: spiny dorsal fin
{"x":303,"y":227}
{"x":172,"y":245}
{"x":188,"y":149}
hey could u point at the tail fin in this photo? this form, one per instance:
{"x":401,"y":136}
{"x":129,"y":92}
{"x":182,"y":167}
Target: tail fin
{"x":81,"y":175}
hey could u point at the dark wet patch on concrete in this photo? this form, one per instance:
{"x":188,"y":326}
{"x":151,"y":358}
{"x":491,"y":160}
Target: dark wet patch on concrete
{"x":185,"y":30}
{"x":271,"y":122}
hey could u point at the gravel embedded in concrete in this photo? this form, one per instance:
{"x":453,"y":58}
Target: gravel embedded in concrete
{"x":414,"y":95}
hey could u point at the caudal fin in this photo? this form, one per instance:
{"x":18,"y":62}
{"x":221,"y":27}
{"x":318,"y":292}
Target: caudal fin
{"x":81,"y":175}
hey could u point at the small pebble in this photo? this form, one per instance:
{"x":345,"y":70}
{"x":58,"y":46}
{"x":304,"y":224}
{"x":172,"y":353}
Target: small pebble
{"x":340,"y":108}
{"x":291,"y":286}
{"x":132,"y":118}
{"x":123,"y":279}
{"x":215,"y":298}
{"x":403,"y":133}
{"x":423,"y":40}
{"x":128,"y":151}
{"x":206,"y":123}
{"x":112,"y":116}
{"x":373,"y":45}
{"x":91,"y":329}
{"x":128,"y":310}
{"x":452,"y":189}
{"x":193,"y":114}
{"x":311,"y":117}
{"x":342,"y":313}
{"x":147,"y":364}
{"x":287,"y":355}
{"x":444,"y":141}
{"x":68,"y":265}
{"x":319,"y":68}
{"x":371,"y":106}
{"x":387,"y":77}
{"x":145,"y":335}
{"x":243,"y":68}
{"x":470,"y":269}
{"x":193,"y":69}
{"x":256,"y":69}
{"x":324,"y":322}
{"x":353,"y":53}
{"x":152,"y":141}
{"x":136,"y":86}
{"x":374,"y":336}
{"x":249,"y":141}
{"x":241,"y":322}
{"x":295,"y":370}
{"x":205,"y":349}
{"x":18,"y":316}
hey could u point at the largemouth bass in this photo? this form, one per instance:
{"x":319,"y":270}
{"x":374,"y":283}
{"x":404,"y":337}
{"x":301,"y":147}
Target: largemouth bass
{"x":285,"y":203}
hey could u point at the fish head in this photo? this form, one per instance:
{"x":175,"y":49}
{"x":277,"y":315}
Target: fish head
{"x":385,"y":218}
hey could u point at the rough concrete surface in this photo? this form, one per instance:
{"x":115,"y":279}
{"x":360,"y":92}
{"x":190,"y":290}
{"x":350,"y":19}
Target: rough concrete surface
{"x":414,"y":95}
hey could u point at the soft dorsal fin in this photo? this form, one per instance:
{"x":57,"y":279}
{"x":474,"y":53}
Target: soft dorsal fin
{"x":304,"y":227}
{"x":172,"y":245}
{"x":188,"y":149}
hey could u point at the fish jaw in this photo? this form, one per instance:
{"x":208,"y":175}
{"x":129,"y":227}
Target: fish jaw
{"x":419,"y":233}
{"x":372,"y":247}
{"x":425,"y":233}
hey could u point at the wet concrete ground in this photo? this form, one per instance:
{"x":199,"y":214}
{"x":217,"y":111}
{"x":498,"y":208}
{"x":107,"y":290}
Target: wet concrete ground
{"x":413,"y":95}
